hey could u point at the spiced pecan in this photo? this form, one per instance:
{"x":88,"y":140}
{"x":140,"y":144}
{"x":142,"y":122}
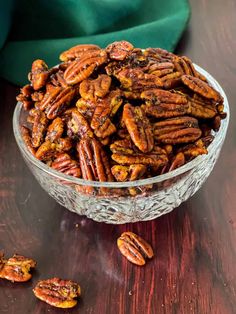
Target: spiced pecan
{"x":119,"y":50}
{"x":195,"y":149}
{"x":171,"y":80}
{"x":92,"y":89}
{"x":77,"y":52}
{"x":86,"y":108}
{"x":177,"y":130}
{"x":81,"y":69}
{"x":164,"y":104}
{"x":16,"y":268}
{"x":177,"y":161}
{"x":201,"y":87}
{"x":55,"y":130}
{"x":48,"y":150}
{"x":216,"y":123}
{"x":159,"y":54}
{"x":26,"y":135}
{"x":57,"y":79}
{"x":64,"y":163}
{"x":200,"y":109}
{"x":78,"y":126}
{"x":139,"y":127}
{"x":25,"y":96}
{"x":39,"y":129}
{"x":57,"y":292}
{"x":128,"y":173}
{"x":39,"y":74}
{"x":134,"y":248}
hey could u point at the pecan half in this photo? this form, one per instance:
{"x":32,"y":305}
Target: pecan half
{"x":195,"y":149}
{"x":78,"y":125}
{"x":39,"y":129}
{"x":200,"y":109}
{"x":55,"y":130}
{"x":177,"y":130}
{"x":57,"y":292}
{"x":64,"y":163}
{"x":164,"y":104}
{"x":26,"y":135}
{"x":201,"y":87}
{"x":159,"y":54}
{"x":177,"y":161}
{"x":56,"y":100}
{"x":92,"y":89}
{"x":48,"y":150}
{"x":134,"y":248}
{"x":17,"y":268}
{"x":86,"y":108}
{"x":119,"y":50}
{"x":128,"y":173}
{"x":25,"y":96}
{"x":39,"y":74}
{"x":81,"y":69}
{"x":139,"y":127}
{"x":78,"y":52}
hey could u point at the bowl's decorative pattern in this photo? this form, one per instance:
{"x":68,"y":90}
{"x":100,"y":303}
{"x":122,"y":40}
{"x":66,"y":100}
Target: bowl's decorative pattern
{"x":164,"y":196}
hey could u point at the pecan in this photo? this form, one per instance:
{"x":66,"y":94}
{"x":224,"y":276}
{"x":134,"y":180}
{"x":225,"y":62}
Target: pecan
{"x":139,"y":127}
{"x":124,"y":146}
{"x":55,"y":130}
{"x":56,"y":100}
{"x":40,"y":123}
{"x":57,"y":292}
{"x":177,"y":130}
{"x":128,"y":173}
{"x":119,"y":50}
{"x":136,"y":79}
{"x":94,"y":162}
{"x":86,"y":108}
{"x":177,"y":161}
{"x":78,"y":52}
{"x":78,"y":126}
{"x":25,"y":96}
{"x":195,"y":149}
{"x":48,"y":150}
{"x":64,"y":163}
{"x":57,"y":79}
{"x":81,"y":69}
{"x":200,"y":109}
{"x":16,"y":268}
{"x":159,"y":54}
{"x":164,"y":104}
{"x":201,"y":87}
{"x":27,"y":139}
{"x":91,"y":89}
{"x":134,"y":248}
{"x":171,"y":80}
{"x":39,"y":74}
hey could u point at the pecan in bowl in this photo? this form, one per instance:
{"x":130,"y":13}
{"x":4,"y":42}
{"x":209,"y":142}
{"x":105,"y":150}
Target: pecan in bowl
{"x":120,"y":134}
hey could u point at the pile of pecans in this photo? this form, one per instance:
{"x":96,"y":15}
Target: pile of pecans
{"x":119,"y":113}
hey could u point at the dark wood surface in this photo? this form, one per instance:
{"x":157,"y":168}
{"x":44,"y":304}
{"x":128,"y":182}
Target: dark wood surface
{"x":194,"y":266}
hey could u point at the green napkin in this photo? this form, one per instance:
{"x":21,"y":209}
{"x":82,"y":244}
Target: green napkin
{"x":41,"y":29}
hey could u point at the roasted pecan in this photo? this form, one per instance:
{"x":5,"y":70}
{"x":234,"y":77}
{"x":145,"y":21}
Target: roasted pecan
{"x":64,"y":163}
{"x":159,"y":54}
{"x":119,"y":50}
{"x":177,"y":161}
{"x":139,"y":127}
{"x":78,"y":126}
{"x":55,"y":130}
{"x":201,"y":87}
{"x":160,"y":69}
{"x":128,"y":173}
{"x":48,"y":150}
{"x":94,"y":162}
{"x":92,"y":89}
{"x":40,"y":123}
{"x":39,"y":74}
{"x":56,"y":100}
{"x":164,"y":104}
{"x":86,"y":108}
{"x":134,"y":248}
{"x":16,"y":268}
{"x":81,"y":69}
{"x":78,"y":52}
{"x":57,"y":292}
{"x":177,"y":130}
{"x":57,"y":79}
{"x":26,"y":135}
{"x":124,"y":146}
{"x":171,"y":80}
{"x":25,"y":96}
{"x":135,"y":79}
{"x":195,"y":149}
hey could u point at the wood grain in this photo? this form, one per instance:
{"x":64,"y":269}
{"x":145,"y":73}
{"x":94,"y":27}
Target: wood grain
{"x":194,"y":266}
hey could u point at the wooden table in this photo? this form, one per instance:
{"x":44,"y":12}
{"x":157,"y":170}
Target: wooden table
{"x":194,"y":268}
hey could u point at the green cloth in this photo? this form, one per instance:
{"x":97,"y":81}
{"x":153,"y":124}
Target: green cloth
{"x":41,"y":29}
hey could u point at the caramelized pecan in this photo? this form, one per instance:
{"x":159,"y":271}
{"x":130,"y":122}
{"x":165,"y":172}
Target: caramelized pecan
{"x":26,"y":135}
{"x":119,"y":50}
{"x":86,"y":108}
{"x":78,"y":126}
{"x":78,"y":52}
{"x":81,"y":69}
{"x":177,"y":130}
{"x":195,"y":149}
{"x":57,"y":292}
{"x":48,"y":150}
{"x":39,"y":129}
{"x":91,"y":89}
{"x":134,"y":248}
{"x":128,"y":173}
{"x":64,"y":163}
{"x":199,"y":109}
{"x":201,"y":87}
{"x":25,"y":96}
{"x":16,"y":268}
{"x":177,"y":161}
{"x":55,"y":130}
{"x":39,"y":74}
{"x":139,"y":127}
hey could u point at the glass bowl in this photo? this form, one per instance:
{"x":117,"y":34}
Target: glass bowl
{"x":111,"y":202}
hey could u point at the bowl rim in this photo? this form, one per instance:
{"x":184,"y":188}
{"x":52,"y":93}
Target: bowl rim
{"x":220,"y":135}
